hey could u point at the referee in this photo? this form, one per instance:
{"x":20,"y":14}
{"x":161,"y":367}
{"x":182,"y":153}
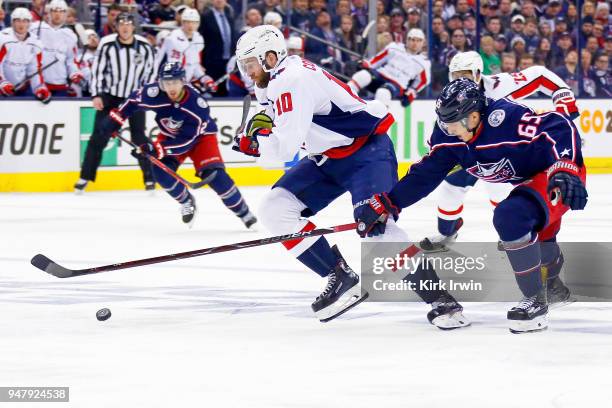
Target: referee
{"x":123,"y":63}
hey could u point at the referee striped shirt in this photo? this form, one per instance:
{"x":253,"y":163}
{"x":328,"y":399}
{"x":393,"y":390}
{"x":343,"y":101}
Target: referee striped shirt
{"x":120,"y":69}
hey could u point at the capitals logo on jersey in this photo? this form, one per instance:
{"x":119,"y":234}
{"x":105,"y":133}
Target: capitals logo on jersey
{"x":171,"y":126}
{"x":499,"y":172}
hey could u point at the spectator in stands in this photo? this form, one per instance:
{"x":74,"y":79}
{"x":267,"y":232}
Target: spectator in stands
{"x":494,"y":27}
{"x":508,"y":62}
{"x":561,"y":48}
{"x":397,"y":29}
{"x":252,"y":18}
{"x":317,"y":6}
{"x":359,"y":11}
{"x":347,"y":38}
{"x":382,"y":24}
{"x":301,"y":17}
{"x":588,"y":85}
{"x":543,"y":54}
{"x":569,"y":71}
{"x":266,"y":6}
{"x":217,"y":29}
{"x":2,"y":17}
{"x":560,"y":28}
{"x":528,"y":10}
{"x":490,"y":59}
{"x":437,"y":8}
{"x":602,"y":13}
{"x":586,"y":30}
{"x":588,"y":9}
{"x":343,"y":8}
{"x":525,"y":61}
{"x":317,"y":51}
{"x":488,"y":10}
{"x":592,"y":45}
{"x":162,"y":12}
{"x":414,"y":19}
{"x":571,"y":17}
{"x":111,"y":16}
{"x":601,"y":75}
{"x":380,"y":8}
{"x":501,"y":44}
{"x":516,"y":27}
{"x":273,"y":18}
{"x":38,"y":10}
{"x":462,"y":7}
{"x":608,"y":46}
{"x":545,"y":30}
{"x":505,"y":12}
{"x":469,"y":28}
{"x":551,"y":11}
{"x":530,"y":34}
{"x":458,"y":44}
{"x":598,"y":33}
{"x":518,"y":47}
{"x":439,"y":38}
{"x":454,"y":23}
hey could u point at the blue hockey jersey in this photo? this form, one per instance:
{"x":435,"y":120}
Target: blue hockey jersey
{"x":512,"y":144}
{"x":181,"y":123}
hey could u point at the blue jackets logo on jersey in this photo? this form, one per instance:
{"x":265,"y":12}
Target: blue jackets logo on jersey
{"x":500,"y":172}
{"x":171,"y":126}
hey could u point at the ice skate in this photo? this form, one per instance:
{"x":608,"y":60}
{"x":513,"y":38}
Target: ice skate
{"x":248,"y":219}
{"x":440,"y":242}
{"x":79,"y":186}
{"x":530,"y":315}
{"x":447,"y":314}
{"x":188,"y":211}
{"x":341,"y":293}
{"x":557,"y":293}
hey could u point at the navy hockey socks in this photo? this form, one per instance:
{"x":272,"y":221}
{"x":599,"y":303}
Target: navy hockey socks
{"x":319,"y":257}
{"x":228,"y":192}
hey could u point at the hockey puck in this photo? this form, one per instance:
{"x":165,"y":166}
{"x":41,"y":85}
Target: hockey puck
{"x":103,"y":314}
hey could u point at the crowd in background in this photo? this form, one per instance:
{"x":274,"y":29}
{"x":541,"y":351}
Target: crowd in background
{"x":513,"y":34}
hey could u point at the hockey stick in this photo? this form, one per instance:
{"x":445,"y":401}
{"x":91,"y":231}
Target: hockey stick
{"x":47,"y":265}
{"x":165,"y":168}
{"x":27,"y":78}
{"x":246,"y":107}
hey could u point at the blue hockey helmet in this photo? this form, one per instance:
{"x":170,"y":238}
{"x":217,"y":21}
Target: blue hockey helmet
{"x":458,"y":99}
{"x":172,"y":70}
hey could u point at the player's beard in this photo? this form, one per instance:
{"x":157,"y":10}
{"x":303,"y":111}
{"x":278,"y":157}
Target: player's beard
{"x":263,"y":82}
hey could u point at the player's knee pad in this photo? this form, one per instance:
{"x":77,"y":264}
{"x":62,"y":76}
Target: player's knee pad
{"x":498,"y":191}
{"x":516,"y":218}
{"x":383,"y":95}
{"x":450,"y":200}
{"x":360,"y":80}
{"x":208,"y":174}
{"x":280,"y":212}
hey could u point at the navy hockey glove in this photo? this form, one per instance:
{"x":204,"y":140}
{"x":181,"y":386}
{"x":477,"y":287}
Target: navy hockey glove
{"x":566,"y":182}
{"x":372,"y":218}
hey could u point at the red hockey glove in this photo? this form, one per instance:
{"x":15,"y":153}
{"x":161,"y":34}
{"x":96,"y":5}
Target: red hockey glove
{"x":154,"y":149}
{"x":249,"y":144}
{"x":7,"y":88}
{"x":43,"y":94}
{"x":372,"y":217}
{"x":77,"y":77}
{"x":565,"y":103}
{"x":208,"y":83}
{"x":564,"y":179}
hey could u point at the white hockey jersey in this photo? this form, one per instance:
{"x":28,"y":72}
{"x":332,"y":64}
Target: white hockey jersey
{"x":519,"y":85}
{"x":177,"y":47}
{"x":58,"y":43}
{"x":20,"y":59}
{"x":398,"y":66}
{"x":314,"y":110}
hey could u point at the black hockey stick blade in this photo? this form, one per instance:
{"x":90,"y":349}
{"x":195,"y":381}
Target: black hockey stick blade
{"x":47,"y":265}
{"x":246,"y":106}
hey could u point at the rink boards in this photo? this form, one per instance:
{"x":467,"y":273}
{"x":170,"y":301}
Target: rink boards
{"x":41,"y":146}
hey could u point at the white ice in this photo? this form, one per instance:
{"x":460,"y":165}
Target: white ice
{"x":236,"y":329}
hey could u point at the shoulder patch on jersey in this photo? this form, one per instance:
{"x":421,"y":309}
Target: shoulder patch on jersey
{"x":497,"y":117}
{"x":153,"y":91}
{"x":202,"y":103}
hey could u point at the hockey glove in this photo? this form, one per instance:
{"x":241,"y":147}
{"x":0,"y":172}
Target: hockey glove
{"x":154,"y":149}
{"x":43,"y":94}
{"x":372,"y":218}
{"x":408,"y":97}
{"x":7,"y":88}
{"x":77,"y":77}
{"x":566,"y":182}
{"x":565,"y":103}
{"x":249,"y":144}
{"x":208,"y":83}
{"x":257,"y":122}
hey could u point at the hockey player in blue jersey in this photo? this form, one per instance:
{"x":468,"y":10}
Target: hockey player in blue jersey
{"x":185,"y":130}
{"x":502,"y":141}
{"x":348,"y":150}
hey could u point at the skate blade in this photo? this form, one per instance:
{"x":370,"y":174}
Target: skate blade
{"x":537,"y":324}
{"x":347,"y":301}
{"x":451,"y":321}
{"x":78,"y":192}
{"x":558,"y":305}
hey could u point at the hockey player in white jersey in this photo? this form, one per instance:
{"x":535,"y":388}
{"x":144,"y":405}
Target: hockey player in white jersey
{"x":59,"y":43}
{"x":398,"y":71}
{"x":21,"y":58}
{"x":185,"y":45}
{"x":86,"y":58}
{"x":514,"y":86}
{"x":348,"y":150}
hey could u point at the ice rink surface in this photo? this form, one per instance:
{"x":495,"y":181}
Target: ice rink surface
{"x":236,"y":329}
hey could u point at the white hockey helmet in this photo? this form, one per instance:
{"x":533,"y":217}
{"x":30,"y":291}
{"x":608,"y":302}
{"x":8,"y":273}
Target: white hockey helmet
{"x":190,"y":14}
{"x":467,"y":61}
{"x":21,"y":13}
{"x":257,"y":42}
{"x":57,"y":5}
{"x":415,"y":33}
{"x":273,"y":18}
